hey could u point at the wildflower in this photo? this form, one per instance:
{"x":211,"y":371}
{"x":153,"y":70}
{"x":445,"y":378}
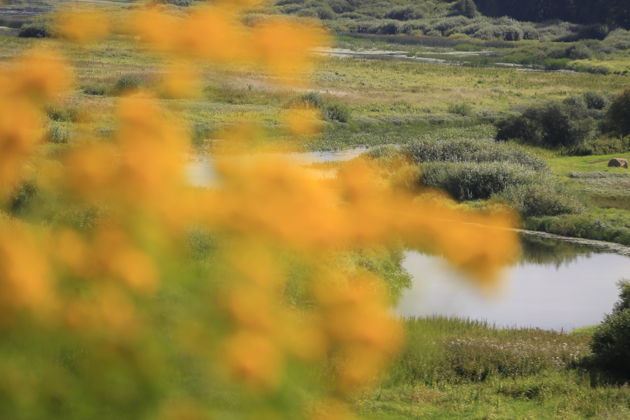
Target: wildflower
{"x":83,"y":26}
{"x":254,"y":360}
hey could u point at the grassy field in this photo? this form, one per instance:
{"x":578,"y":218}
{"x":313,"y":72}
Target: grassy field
{"x":455,"y":369}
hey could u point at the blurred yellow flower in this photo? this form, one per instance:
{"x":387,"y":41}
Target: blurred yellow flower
{"x":286,"y":48}
{"x":83,"y":25}
{"x":40,"y":74}
{"x":303,"y":121}
{"x":253,"y":360}
{"x":25,"y":279}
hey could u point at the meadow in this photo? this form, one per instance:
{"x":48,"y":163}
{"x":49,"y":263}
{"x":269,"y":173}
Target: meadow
{"x":440,"y":118}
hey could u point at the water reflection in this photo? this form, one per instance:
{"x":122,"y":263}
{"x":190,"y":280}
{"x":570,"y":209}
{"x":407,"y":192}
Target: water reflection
{"x":544,"y":251}
{"x":556,"y":285}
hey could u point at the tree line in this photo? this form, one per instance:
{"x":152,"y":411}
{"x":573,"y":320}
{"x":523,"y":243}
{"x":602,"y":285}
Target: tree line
{"x":615,"y":13}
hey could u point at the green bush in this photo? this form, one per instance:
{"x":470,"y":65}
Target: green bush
{"x":540,"y":199}
{"x":553,"y":125}
{"x":35,"y":30}
{"x":556,"y":63}
{"x":611,"y":339}
{"x":404,"y":13}
{"x":97,"y":89}
{"x":603,"y":146}
{"x":62,"y":114}
{"x":618,"y":116}
{"x":128,"y":83}
{"x":463,"y":109}
{"x":337,"y":112}
{"x":331,"y":111}
{"x":474,"y":181}
{"x":595,"y":100}
{"x":471,"y":151}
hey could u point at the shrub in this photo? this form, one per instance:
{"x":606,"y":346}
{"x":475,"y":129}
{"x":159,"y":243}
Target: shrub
{"x":404,"y":13}
{"x":58,"y":135}
{"x":471,"y":151}
{"x":331,"y":111}
{"x":97,"y":89}
{"x":35,"y":30}
{"x":474,"y":181}
{"x":467,"y":8}
{"x":556,"y":63}
{"x":618,"y":116}
{"x":540,"y":199}
{"x":578,"y":52}
{"x":337,"y":112}
{"x":463,"y":109}
{"x":128,"y":83}
{"x":325,"y":13}
{"x":311,"y":99}
{"x":595,"y":100}
{"x":553,"y":125}
{"x":389,"y":28}
{"x":611,"y":340}
{"x":62,"y":114}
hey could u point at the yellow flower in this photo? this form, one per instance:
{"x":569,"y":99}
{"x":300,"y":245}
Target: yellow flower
{"x":40,"y":74}
{"x":303,"y":121}
{"x":25,"y":279}
{"x":156,"y":28}
{"x":253,"y":360}
{"x":20,"y":132}
{"x":181,"y":81}
{"x":287,"y":48}
{"x":83,"y":26}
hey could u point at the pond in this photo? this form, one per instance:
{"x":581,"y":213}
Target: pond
{"x":556,"y":286}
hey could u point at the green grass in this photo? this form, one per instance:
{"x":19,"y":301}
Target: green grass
{"x":566,"y":165}
{"x":455,"y":369}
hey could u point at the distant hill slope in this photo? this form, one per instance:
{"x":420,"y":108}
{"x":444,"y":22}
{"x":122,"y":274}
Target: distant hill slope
{"x":370,"y":9}
{"x":615,"y":13}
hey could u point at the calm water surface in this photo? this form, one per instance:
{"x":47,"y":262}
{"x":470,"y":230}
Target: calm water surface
{"x":556,"y":286}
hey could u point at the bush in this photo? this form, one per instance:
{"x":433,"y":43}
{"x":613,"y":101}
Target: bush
{"x":58,"y":135}
{"x":611,"y":340}
{"x":554,"y":125}
{"x":540,"y":199}
{"x":35,"y":30}
{"x":603,"y":146}
{"x":389,"y":28}
{"x":474,"y":181}
{"x":404,"y":13}
{"x":465,"y":110}
{"x":97,"y":89}
{"x":578,"y":52}
{"x":595,"y":100}
{"x":618,"y":116}
{"x":471,"y":151}
{"x":337,"y":112}
{"x":311,"y":99}
{"x":128,"y":83}
{"x":556,"y":63}
{"x":331,"y":111}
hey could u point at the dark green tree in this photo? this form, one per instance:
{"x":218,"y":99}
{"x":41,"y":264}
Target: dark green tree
{"x":618,"y":115}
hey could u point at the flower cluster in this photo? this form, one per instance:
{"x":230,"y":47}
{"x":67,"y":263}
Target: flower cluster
{"x":269,"y":315}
